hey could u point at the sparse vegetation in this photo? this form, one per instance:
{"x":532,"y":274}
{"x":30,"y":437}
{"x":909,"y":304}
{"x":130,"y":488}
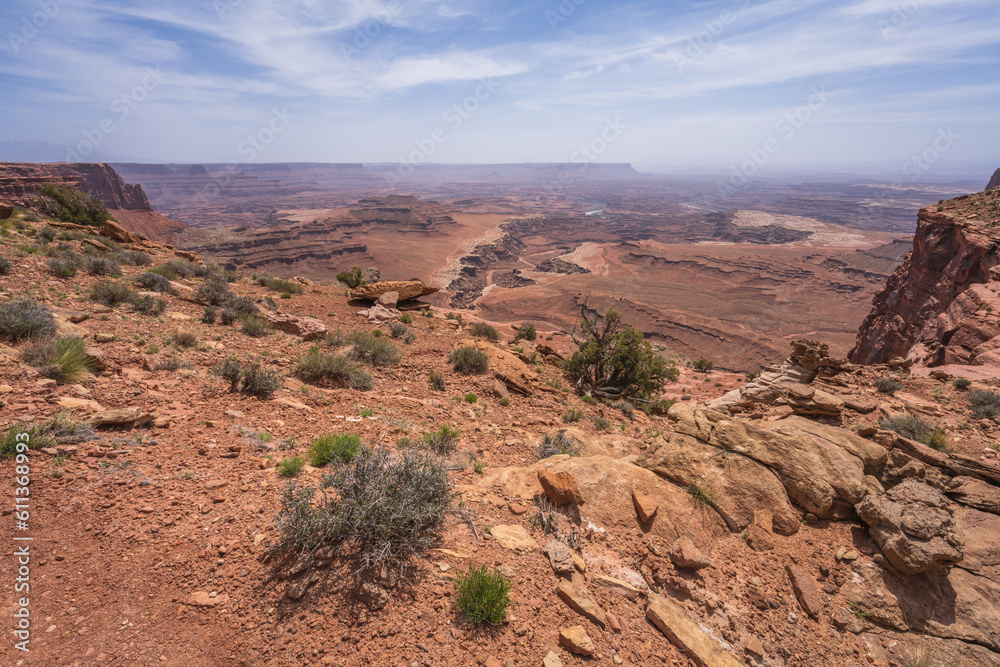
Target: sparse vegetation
{"x":148,"y":305}
{"x":572,"y":416}
{"x":372,"y":349}
{"x":601,"y":424}
{"x":255,"y":326}
{"x":436,"y":381}
{"x":443,"y":441}
{"x":625,"y":408}
{"x":291,"y":466}
{"x":559,"y":443}
{"x":25,"y":318}
{"x":469,"y":360}
{"x":470,"y":398}
{"x":406,"y":319}
{"x":152,"y":282}
{"x":613,"y":361}
{"x":5,"y":266}
{"x":70,"y":205}
{"x":64,"y":360}
{"x":985,"y":404}
{"x":64,"y":266}
{"x":111,"y":293}
{"x":334,"y":447}
{"x":526,"y":332}
{"x":483,"y":330}
{"x":353,"y":278}
{"x":398,"y":330}
{"x":102,"y":266}
{"x":915,"y":428}
{"x":703,"y":365}
{"x":384,"y":507}
{"x":316,"y":366}
{"x":962,"y":384}
{"x":483,"y":595}
{"x":184,"y":338}
{"x":888,"y":385}
{"x":701,"y":495}
{"x":209,"y":315}
{"x":253,"y":378}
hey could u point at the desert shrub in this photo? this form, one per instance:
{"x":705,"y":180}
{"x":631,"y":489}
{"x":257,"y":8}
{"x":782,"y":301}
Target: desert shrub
{"x":614,"y":361}
{"x":483,"y":595}
{"x":242,"y":305}
{"x":443,"y":441}
{"x":601,"y":424}
{"x":671,"y":373}
{"x":184,"y":338}
{"x":329,"y":447}
{"x":102,"y":266}
{"x":750,"y":376}
{"x":152,"y":282}
{"x":372,"y":349}
{"x":253,"y":379}
{"x":985,"y":404}
{"x":228,"y":316}
{"x":703,"y":365}
{"x":625,"y":407}
{"x":487,"y":331}
{"x":469,"y":361}
{"x":383,"y":507}
{"x":915,"y":428}
{"x":260,"y":381}
{"x":5,"y":266}
{"x":270,"y":304}
{"x":64,"y":360}
{"x":287,"y":286}
{"x":171,"y":363}
{"x":589,"y":400}
{"x":70,"y":205}
{"x":213,"y":292}
{"x":47,"y":234}
{"x":262,"y":278}
{"x":888,"y":385}
{"x":110,"y":292}
{"x":148,"y":305}
{"x":353,"y":278}
{"x":25,"y":318}
{"x":38,"y":352}
{"x":254,"y":326}
{"x":291,"y":466}
{"x":436,"y":381}
{"x":962,"y":384}
{"x":559,"y":443}
{"x":398,"y":330}
{"x":470,"y":398}
{"x":526,"y":332}
{"x":133,"y":258}
{"x":406,"y":319}
{"x":64,"y":266}
{"x":574,"y":415}
{"x":59,"y":428}
{"x":316,"y":366}
{"x":209,"y":315}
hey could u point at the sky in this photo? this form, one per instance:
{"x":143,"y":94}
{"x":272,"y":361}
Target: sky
{"x":912,"y":84}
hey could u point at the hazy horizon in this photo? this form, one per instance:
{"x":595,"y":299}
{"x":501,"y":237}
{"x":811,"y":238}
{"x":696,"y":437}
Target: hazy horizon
{"x":908,"y":88}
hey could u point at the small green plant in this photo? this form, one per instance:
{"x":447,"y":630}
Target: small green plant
{"x":752,"y":375}
{"x":589,"y":400}
{"x":63,"y":266}
{"x":572,"y":416}
{"x":255,"y":326}
{"x":859,"y":611}
{"x":67,"y":204}
{"x":443,"y":441}
{"x":252,"y":379}
{"x":483,"y":595}
{"x":291,"y":466}
{"x":703,"y":365}
{"x":436,"y":381}
{"x":330,"y":447}
{"x":372,"y":349}
{"x":316,"y":366}
{"x":916,"y":428}
{"x":985,"y":404}
{"x":888,"y":385}
{"x":487,"y":331}
{"x":366,"y":412}
{"x":601,"y":424}
{"x":962,"y":384}
{"x":353,"y":278}
{"x":505,"y":401}
{"x":701,"y":495}
{"x":470,"y":398}
{"x":469,"y":361}
{"x":406,"y":319}
{"x":558,"y":443}
{"x":478,"y":467}
{"x":526,"y":332}
{"x":265,"y":437}
{"x":65,"y":360}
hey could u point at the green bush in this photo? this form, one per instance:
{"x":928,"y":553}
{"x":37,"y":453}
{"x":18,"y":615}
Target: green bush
{"x":559,"y":443}
{"x":69,"y":205}
{"x":353,"y":278}
{"x":962,"y":384}
{"x":398,"y":330}
{"x":287,"y":286}
{"x":985,"y":404}
{"x":65,"y":360}
{"x":59,"y":428}
{"x":436,"y":380}
{"x":64,"y":266}
{"x":148,"y":305}
{"x":102,"y":266}
{"x":5,"y":267}
{"x":589,"y":400}
{"x":888,"y":385}
{"x":214,"y":292}
{"x":574,"y":415}
{"x":291,"y":466}
{"x":443,"y":441}
{"x":315,"y":366}
{"x":329,"y":447}
{"x":469,"y":360}
{"x":254,"y":326}
{"x":915,"y":428}
{"x":703,"y":365}
{"x":406,"y":319}
{"x":483,"y":595}
{"x":526,"y":332}
{"x":209,"y":315}
{"x":372,"y":349}
{"x":253,"y":378}
{"x":487,"y":331}
{"x":384,"y":508}
{"x":111,"y":292}
{"x":601,"y":424}
{"x":470,"y":398}
{"x":152,"y":282}
{"x":25,"y":318}
{"x":614,"y":361}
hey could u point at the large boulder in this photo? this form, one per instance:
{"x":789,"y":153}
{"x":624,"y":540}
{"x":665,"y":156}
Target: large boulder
{"x":914,"y":527}
{"x":506,"y":367}
{"x":307,"y":328}
{"x":407,"y":289}
{"x":6,"y":210}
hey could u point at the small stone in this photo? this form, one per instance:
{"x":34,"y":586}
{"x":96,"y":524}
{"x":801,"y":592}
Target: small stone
{"x":684,"y":553}
{"x":214,"y":484}
{"x":551,"y":660}
{"x":516,"y":509}
{"x":576,"y":640}
{"x":560,"y":557}
{"x":805,"y":589}
{"x":560,"y":487}
{"x":104,"y":337}
{"x":645,"y":506}
{"x":754,"y":647}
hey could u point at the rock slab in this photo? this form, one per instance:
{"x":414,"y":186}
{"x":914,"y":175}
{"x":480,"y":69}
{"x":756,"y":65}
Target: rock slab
{"x":686,"y":634}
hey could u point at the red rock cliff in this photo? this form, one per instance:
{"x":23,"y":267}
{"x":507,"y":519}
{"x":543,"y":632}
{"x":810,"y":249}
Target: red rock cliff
{"x":939,"y":305}
{"x":20,"y":181}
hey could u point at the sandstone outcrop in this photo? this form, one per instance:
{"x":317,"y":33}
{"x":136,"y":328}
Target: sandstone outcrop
{"x":994,"y":181}
{"x":405,"y":289}
{"x":306,"y":328}
{"x":938,"y":307}
{"x":506,"y":367}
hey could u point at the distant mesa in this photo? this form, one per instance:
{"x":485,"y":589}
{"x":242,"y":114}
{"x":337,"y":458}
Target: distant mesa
{"x":197,"y":170}
{"x":995,"y":181}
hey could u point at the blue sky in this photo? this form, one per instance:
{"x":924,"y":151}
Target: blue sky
{"x":691,"y":82}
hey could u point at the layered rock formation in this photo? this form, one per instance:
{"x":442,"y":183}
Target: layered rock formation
{"x":995,"y":181}
{"x":938,"y":307}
